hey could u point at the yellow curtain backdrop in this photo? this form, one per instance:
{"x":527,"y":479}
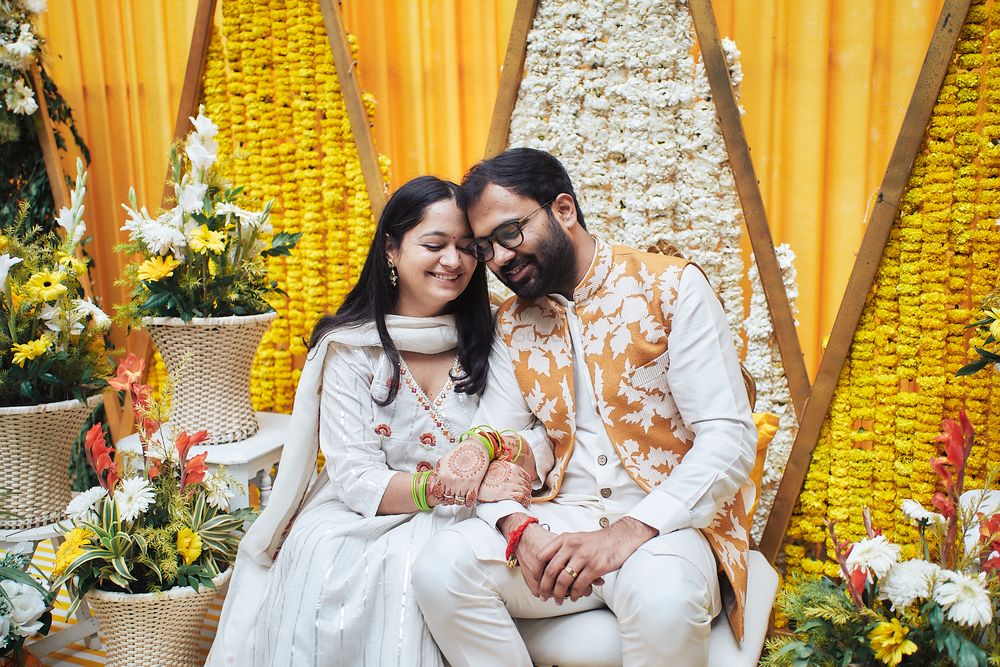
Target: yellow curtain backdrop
{"x":825,"y":88}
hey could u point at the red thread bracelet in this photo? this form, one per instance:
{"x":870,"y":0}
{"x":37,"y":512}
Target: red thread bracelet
{"x":514,"y":539}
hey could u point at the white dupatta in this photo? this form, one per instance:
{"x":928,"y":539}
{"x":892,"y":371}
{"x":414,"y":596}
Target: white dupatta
{"x":297,"y":481}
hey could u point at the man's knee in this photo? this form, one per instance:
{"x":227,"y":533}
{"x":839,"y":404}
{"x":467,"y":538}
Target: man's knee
{"x":441,"y":567}
{"x":658,"y":593}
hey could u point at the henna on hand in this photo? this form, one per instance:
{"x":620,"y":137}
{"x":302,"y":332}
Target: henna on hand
{"x":505,"y":480}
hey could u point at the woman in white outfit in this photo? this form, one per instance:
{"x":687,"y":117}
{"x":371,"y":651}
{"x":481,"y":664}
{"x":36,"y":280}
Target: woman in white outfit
{"x":392,"y":380}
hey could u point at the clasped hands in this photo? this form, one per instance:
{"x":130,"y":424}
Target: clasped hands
{"x":466,"y":475}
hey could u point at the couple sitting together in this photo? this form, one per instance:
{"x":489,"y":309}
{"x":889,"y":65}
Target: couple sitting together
{"x":615,"y":392}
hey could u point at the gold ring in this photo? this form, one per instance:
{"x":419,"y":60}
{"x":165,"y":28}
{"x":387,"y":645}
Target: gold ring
{"x":571,"y":572}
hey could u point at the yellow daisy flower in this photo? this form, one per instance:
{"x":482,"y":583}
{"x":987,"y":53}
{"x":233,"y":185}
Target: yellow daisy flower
{"x":188,"y":545}
{"x":889,"y":642}
{"x":71,"y":549}
{"x":46,"y":285}
{"x":157,"y":268}
{"x":30,"y":350}
{"x":205,"y":240}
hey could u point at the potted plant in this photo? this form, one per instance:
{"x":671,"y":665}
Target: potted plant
{"x":52,"y":360}
{"x":935,"y":610}
{"x":201,"y":287}
{"x":148,"y":548}
{"x":25,"y":610}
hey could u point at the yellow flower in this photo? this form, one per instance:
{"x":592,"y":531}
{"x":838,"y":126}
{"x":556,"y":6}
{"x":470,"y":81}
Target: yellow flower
{"x":71,"y":549}
{"x":77,"y":265}
{"x":205,"y":240}
{"x":889,"y":642}
{"x":30,"y":350}
{"x":46,"y":285}
{"x":157,"y":268}
{"x":4,"y":243}
{"x":188,"y":545}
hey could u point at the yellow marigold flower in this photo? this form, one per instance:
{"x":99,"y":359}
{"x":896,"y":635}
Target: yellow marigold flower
{"x":205,"y":240}
{"x":30,"y":350}
{"x":188,"y":545}
{"x":71,"y":549}
{"x":4,"y":243}
{"x":157,"y":268}
{"x":889,"y":642}
{"x":75,"y":264}
{"x":46,"y":285}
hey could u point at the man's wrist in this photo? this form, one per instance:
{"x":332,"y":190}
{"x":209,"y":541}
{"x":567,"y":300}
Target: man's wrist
{"x":508,"y":523}
{"x":632,"y":530}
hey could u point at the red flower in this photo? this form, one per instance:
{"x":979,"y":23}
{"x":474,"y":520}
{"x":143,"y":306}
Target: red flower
{"x":989,"y":531}
{"x":943,"y":504}
{"x":428,"y":439}
{"x":185,"y":442}
{"x":129,"y":371}
{"x":859,"y":577}
{"x":101,"y":457}
{"x":940,"y":466}
{"x":194,"y":472}
{"x":383,"y":430}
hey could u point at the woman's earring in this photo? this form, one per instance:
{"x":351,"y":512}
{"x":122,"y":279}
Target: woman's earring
{"x":393,"y":276}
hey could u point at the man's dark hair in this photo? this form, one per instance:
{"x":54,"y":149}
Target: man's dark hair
{"x":525,"y":171}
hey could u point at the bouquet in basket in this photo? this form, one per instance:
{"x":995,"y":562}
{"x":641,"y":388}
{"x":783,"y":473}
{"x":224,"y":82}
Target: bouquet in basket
{"x":51,"y":336}
{"x":205,"y":256}
{"x":938,"y":609}
{"x":25,"y":607}
{"x":159,"y":519}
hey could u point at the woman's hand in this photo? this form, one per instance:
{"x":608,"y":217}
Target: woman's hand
{"x":505,"y":481}
{"x":459,"y":473}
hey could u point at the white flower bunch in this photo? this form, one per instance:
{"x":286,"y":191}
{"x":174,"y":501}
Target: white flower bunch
{"x":21,"y":607}
{"x":20,"y":49}
{"x":874,"y":555}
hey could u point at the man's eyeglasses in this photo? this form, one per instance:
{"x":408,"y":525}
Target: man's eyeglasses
{"x":508,"y":235}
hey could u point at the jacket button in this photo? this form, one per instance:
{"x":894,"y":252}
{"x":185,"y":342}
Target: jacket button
{"x":606,"y":493}
{"x":602,"y":460}
{"x":604,"y":522}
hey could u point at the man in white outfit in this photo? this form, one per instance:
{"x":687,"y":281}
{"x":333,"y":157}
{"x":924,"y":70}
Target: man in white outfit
{"x":627,"y":359}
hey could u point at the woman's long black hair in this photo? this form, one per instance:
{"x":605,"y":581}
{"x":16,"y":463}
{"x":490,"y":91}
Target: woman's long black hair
{"x":374,"y":296}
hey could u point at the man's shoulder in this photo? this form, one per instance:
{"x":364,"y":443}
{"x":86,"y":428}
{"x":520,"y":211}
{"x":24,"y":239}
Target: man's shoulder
{"x":652,"y":260}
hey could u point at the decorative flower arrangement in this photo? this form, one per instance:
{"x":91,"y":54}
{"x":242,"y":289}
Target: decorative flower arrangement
{"x":25,"y":606}
{"x":20,"y":50}
{"x":899,"y":380}
{"x":989,"y":329}
{"x":51,"y":337}
{"x":935,"y":609}
{"x":205,"y":256}
{"x":159,"y":519}
{"x":289,"y":110}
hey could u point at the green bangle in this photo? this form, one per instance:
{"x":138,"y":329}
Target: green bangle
{"x":414,"y":484}
{"x":423,"y":506}
{"x":475,"y":432}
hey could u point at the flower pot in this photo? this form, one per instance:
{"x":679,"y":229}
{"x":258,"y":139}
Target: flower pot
{"x":209,"y":361}
{"x":35,"y":445}
{"x":29,"y":661}
{"x":153,"y":629}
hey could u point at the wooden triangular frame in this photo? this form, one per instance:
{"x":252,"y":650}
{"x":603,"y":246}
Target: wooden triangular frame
{"x":883,"y":216}
{"x":739,"y":157}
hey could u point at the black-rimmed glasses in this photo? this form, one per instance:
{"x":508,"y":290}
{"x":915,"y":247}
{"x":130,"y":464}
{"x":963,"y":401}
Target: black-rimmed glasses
{"x":509,"y":235}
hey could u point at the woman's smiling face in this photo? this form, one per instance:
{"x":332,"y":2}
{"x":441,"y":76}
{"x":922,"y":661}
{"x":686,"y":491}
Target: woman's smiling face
{"x":433,"y":266}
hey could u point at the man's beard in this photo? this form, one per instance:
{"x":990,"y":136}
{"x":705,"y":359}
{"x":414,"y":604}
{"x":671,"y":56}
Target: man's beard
{"x":553,"y":266}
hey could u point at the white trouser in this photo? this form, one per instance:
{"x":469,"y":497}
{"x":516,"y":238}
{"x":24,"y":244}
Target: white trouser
{"x":664,"y":596}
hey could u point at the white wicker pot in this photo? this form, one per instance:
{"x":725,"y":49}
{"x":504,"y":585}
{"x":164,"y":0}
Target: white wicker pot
{"x":209,"y":361}
{"x":35,"y":445}
{"x":153,"y":629}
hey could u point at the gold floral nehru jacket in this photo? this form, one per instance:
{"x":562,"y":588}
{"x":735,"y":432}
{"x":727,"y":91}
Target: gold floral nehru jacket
{"x":625,"y":305}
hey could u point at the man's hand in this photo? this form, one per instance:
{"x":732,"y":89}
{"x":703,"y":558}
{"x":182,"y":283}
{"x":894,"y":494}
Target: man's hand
{"x":533,"y":539}
{"x":503,"y":481}
{"x":459,"y":473}
{"x":589,"y":555}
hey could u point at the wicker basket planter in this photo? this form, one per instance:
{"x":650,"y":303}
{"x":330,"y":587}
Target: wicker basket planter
{"x":153,"y":629}
{"x":209,"y":361}
{"x":35,"y":444}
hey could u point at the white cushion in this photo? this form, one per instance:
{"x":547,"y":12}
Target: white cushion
{"x":592,"y":638}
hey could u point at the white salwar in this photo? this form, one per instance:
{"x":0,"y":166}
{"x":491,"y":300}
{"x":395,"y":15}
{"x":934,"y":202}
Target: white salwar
{"x":340,"y":593}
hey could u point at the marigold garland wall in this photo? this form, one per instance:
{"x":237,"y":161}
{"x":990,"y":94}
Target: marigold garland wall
{"x":271,"y":83}
{"x":899,"y":380}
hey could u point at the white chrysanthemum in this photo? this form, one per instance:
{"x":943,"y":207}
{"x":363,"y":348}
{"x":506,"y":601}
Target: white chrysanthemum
{"x":20,"y":51}
{"x":219,"y":492}
{"x":908,"y":581}
{"x":20,"y":99}
{"x":916,"y":512}
{"x":134,"y":497}
{"x":964,"y":598}
{"x":27,"y":606}
{"x":873,"y":555}
{"x":35,"y":6}
{"x":86,"y":307}
{"x":81,"y":508}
